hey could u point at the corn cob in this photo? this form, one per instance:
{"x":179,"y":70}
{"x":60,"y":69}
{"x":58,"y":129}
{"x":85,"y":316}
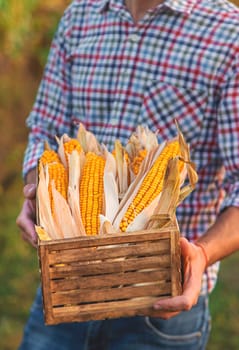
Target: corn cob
{"x":92,"y":192}
{"x":66,"y":146}
{"x":56,"y":172}
{"x":152,"y":184}
{"x":49,"y":156}
{"x":136,"y":162}
{"x":72,"y":145}
{"x":46,"y":220}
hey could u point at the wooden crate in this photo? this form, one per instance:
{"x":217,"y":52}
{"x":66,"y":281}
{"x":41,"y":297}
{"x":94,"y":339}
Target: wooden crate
{"x":100,"y":277}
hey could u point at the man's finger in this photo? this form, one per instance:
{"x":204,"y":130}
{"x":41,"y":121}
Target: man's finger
{"x":29,"y":239}
{"x":29,"y":191}
{"x":174,"y":304}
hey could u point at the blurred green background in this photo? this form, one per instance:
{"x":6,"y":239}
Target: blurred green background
{"x":26,"y":30}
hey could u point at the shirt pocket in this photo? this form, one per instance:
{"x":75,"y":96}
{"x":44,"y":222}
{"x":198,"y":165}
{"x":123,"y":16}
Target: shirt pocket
{"x":163,"y":103}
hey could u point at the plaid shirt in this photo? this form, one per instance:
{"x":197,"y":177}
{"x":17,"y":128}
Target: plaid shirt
{"x":181,"y":61}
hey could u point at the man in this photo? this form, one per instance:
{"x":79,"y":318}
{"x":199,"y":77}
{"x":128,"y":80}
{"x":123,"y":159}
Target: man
{"x":116,"y":64}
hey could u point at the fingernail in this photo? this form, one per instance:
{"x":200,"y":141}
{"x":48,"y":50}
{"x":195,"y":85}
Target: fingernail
{"x":157,"y":306}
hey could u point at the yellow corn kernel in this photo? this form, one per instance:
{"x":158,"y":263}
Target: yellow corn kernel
{"x":49,"y":156}
{"x":152,"y":184}
{"x":58,"y":174}
{"x":72,"y":145}
{"x":136,"y":162}
{"x":92,"y":192}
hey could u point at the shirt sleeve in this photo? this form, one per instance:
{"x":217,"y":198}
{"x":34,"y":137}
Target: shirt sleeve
{"x":51,"y":112}
{"x":228,"y":132}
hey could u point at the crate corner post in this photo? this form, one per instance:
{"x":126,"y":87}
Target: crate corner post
{"x":43,"y":253}
{"x":176,"y":275}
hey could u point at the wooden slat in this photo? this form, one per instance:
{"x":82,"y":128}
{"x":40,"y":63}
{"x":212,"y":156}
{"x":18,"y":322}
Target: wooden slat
{"x":94,"y":268}
{"x":121,"y":308}
{"x":91,"y":241}
{"x":109,"y":252}
{"x":110,"y":280}
{"x":140,"y":306}
{"x":93,"y":296}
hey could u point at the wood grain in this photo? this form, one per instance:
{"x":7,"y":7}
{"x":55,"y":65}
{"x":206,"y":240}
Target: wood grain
{"x":92,"y":278}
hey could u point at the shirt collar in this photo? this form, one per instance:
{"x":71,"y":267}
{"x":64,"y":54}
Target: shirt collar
{"x":101,"y":5}
{"x":184,"y":6}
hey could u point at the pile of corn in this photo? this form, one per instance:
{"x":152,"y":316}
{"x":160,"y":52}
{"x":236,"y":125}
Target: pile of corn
{"x":84,"y":189}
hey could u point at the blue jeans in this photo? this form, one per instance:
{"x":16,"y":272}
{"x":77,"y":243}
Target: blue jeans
{"x":187,"y":331}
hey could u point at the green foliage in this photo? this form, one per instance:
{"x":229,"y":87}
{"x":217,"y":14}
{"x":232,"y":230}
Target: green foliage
{"x":18,"y":271}
{"x":26,"y":30}
{"x":27,"y":26}
{"x":224,"y":305}
{"x":15,"y":23}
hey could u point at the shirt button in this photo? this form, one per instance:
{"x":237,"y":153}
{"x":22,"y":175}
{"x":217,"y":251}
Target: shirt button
{"x":134,"y":38}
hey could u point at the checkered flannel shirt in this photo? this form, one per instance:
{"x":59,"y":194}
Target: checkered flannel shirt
{"x":180,"y":61}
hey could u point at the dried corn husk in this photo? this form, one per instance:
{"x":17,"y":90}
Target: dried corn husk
{"x":88,"y":140}
{"x":122,"y":170}
{"x":120,"y":187}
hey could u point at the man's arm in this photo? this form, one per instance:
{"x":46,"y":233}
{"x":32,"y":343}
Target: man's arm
{"x":221,"y":240}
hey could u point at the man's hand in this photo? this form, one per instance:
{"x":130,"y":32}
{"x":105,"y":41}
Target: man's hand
{"x":194,"y":264}
{"x":27,"y":217}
